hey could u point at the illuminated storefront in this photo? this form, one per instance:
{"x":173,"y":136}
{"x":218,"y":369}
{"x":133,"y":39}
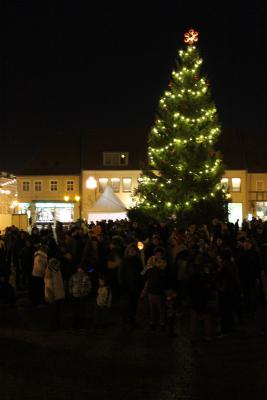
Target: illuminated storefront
{"x":261,"y":210}
{"x":22,"y":208}
{"x":50,"y":212}
{"x":235,"y":213}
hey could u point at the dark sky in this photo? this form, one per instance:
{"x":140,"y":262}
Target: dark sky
{"x":68,"y":68}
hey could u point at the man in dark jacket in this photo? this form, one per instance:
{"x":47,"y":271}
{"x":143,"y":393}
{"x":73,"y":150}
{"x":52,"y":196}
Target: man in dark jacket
{"x":26,"y":263}
{"x":249,"y":273}
{"x":156,"y":283}
{"x":132,"y":283}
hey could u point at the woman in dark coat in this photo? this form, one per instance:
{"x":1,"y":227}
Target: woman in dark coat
{"x":132,"y":283}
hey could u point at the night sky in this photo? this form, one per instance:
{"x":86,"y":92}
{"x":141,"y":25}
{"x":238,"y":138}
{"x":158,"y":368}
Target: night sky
{"x":69,"y":68}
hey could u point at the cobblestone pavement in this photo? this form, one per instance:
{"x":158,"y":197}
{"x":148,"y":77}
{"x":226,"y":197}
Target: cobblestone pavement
{"x":112,"y":363}
{"x":235,"y":368}
{"x":116,"y":363}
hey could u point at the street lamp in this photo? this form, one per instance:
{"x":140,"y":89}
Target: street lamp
{"x":14,"y":205}
{"x":91,"y":183}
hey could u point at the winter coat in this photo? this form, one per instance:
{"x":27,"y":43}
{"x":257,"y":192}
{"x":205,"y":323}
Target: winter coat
{"x":54,"y":287}
{"x":155,"y":281}
{"x":39,"y":264}
{"x":131,"y":274}
{"x":249,"y":266}
{"x":80,"y":284}
{"x":104,"y":296}
{"x":26,"y":259}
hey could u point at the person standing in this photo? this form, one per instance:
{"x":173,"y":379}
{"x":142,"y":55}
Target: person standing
{"x":54,"y":290}
{"x":103,"y":302}
{"x":38,"y":272}
{"x":228,"y":289}
{"x":132,"y":283}
{"x":249,"y":274}
{"x":26,"y":263}
{"x":155,"y":284}
{"x":79,"y":288}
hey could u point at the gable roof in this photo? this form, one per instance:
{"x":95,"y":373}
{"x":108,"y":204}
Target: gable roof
{"x":59,"y":155}
{"x":127,"y":140}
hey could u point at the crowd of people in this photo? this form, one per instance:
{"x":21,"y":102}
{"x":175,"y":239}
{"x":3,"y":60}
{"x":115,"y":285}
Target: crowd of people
{"x":215,"y":275}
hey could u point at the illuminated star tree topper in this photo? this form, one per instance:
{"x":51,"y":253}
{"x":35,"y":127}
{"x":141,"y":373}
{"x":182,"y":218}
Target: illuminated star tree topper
{"x":191,"y":37}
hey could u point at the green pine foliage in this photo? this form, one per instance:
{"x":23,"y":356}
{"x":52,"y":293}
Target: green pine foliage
{"x":182,"y":178}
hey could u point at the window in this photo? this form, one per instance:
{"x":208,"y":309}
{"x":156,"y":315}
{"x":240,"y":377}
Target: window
{"x":115,"y":159}
{"x":115,"y":184}
{"x":26,"y":186}
{"x":236,"y":184}
{"x":127,"y":184}
{"x":70,"y":186}
{"x":123,"y":159}
{"x":225,"y":183}
{"x":37,"y":186}
{"x":53,"y":186}
{"x":259,"y":186}
{"x":102,"y":184}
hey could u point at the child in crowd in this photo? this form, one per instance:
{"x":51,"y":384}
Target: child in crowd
{"x":155,"y":282}
{"x":54,"y":291}
{"x":103,"y":302}
{"x":79,"y":288}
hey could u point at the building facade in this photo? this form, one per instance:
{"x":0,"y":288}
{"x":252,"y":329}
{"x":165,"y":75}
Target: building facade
{"x":8,"y":198}
{"x":65,"y":185}
{"x":49,"y":198}
{"x":66,"y":198}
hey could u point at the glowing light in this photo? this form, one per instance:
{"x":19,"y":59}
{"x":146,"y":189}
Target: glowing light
{"x":91,"y":183}
{"x":190,"y":37}
{"x":77,"y":198}
{"x":14,"y":204}
{"x":66,"y":198}
{"x":140,"y":245}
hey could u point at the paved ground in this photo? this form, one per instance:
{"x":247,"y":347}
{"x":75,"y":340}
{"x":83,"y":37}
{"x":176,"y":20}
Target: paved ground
{"x":116,"y":363}
{"x":235,"y":368}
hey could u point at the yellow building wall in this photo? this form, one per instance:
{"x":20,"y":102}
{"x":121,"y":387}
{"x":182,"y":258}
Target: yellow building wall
{"x":46,"y":194}
{"x":242,"y":195}
{"x":254,"y":194}
{"x":89,"y":196}
{"x":254,"y":177}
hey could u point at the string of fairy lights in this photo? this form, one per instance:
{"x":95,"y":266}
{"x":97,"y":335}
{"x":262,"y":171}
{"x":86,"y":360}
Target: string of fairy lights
{"x":203,"y":127}
{"x":179,"y":142}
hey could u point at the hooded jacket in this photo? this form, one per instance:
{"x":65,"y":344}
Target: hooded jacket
{"x":39,"y":264}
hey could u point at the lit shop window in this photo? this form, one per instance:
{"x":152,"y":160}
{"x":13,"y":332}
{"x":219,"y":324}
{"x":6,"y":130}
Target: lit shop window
{"x":115,"y":184}
{"x":37,"y":186}
{"x":225,"y":183}
{"x":70,"y":186}
{"x":127,"y":184}
{"x":53,"y":186}
{"x":26,"y":186}
{"x":102,"y":184}
{"x":236,"y":184}
{"x":259,"y":186}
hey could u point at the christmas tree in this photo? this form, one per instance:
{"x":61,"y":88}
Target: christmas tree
{"x":182,"y":178}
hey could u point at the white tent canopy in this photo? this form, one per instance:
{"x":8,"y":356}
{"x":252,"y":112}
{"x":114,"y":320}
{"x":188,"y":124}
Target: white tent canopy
{"x":107,"y":206}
